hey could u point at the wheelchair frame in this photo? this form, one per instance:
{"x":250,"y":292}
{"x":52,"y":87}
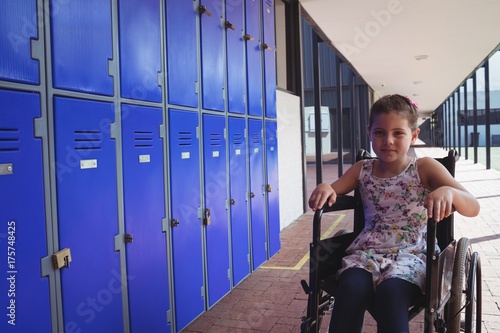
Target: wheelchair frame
{"x":453,"y":295}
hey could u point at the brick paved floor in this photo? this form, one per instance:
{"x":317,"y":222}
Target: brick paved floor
{"x":272,"y":300}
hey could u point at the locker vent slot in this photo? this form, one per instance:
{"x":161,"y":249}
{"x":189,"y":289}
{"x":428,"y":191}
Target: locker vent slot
{"x":185,"y":139}
{"x":9,"y":139}
{"x":143,"y":139}
{"x":256,"y":138}
{"x":238,"y":139}
{"x":88,"y":140}
{"x":215,"y":140}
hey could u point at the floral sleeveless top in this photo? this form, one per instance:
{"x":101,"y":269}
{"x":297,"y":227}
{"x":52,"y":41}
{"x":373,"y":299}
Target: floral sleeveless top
{"x":393,"y":241}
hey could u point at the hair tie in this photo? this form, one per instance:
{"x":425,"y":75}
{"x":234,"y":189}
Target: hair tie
{"x":412,"y":102}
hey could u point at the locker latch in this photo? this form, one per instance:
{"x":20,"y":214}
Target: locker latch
{"x":232,"y":202}
{"x":269,"y":188}
{"x":248,"y":37}
{"x":61,"y":259}
{"x":206,"y":217}
{"x":174,"y":222}
{"x":252,"y":195}
{"x":229,"y":25}
{"x":266,"y":47}
{"x":203,"y":10}
{"x":128,"y":238}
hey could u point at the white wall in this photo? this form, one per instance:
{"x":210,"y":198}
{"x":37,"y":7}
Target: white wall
{"x":289,"y":157}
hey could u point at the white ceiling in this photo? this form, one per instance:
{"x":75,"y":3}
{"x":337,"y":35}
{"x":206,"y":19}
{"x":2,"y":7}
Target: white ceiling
{"x":382,"y":40}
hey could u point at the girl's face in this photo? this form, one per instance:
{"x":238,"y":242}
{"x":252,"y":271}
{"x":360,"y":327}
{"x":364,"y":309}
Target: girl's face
{"x":391,"y":137}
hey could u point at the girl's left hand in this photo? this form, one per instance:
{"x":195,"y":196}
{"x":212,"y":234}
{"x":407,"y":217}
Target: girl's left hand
{"x":439,"y":203}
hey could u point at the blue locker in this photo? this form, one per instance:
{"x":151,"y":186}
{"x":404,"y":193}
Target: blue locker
{"x":269,"y":48}
{"x":257,"y":207}
{"x":144,"y":210}
{"x":217,"y":230}
{"x":182,"y":65}
{"x":25,"y":294}
{"x":140,"y":57}
{"x":81,"y":34}
{"x":187,"y":230}
{"x":212,"y":54}
{"x":272,"y":188}
{"x":18,"y":27}
{"x":253,"y":59}
{"x":235,"y":55}
{"x":240,"y":247}
{"x":85,"y":158}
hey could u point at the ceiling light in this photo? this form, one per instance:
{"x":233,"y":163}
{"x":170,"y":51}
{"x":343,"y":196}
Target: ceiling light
{"x":421,"y":57}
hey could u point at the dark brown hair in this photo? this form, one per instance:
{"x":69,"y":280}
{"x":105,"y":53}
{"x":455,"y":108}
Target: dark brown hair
{"x":401,"y":105}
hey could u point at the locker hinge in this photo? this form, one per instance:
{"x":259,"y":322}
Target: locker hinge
{"x":206,"y":217}
{"x":163,"y":133}
{"x":196,"y":87}
{"x":223,"y":93}
{"x":161,"y":79}
{"x":164,"y":225}
{"x":229,"y":274}
{"x":111,"y":68}
{"x":40,"y":128}
{"x":248,"y":258}
{"x":169,"y":316}
{"x":113,"y":128}
{"x":46,"y":266}
{"x":198,"y":132}
{"x":202,"y":291}
{"x":36,"y":49}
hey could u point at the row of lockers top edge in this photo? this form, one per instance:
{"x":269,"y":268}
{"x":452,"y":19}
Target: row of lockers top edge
{"x":80,"y":59}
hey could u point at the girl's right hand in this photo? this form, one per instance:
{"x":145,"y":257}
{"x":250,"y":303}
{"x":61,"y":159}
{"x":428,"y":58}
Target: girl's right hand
{"x":321,"y":194}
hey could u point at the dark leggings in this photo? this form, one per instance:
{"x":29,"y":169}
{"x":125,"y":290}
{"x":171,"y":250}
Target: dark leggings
{"x":389,"y":303}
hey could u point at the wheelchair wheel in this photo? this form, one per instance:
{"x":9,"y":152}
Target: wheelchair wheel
{"x":458,"y":285}
{"x":464,"y":307}
{"x":473,"y":296}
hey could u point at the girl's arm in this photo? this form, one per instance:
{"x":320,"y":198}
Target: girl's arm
{"x":447,"y":194}
{"x":328,"y":192}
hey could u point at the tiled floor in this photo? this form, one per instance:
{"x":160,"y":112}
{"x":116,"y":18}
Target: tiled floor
{"x":271,"y":298}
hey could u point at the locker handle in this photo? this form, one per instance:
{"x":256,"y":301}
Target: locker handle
{"x":203,"y":10}
{"x":206,"y":219}
{"x":229,"y":25}
{"x":248,"y":37}
{"x":232,"y":202}
{"x":252,"y":195}
{"x":61,"y":259}
{"x":174,"y":222}
{"x":268,"y":188}
{"x":266,"y":47}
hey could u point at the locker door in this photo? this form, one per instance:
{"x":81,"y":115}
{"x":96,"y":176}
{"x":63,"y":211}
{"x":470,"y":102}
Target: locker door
{"x":212,"y":54}
{"x":240,"y":247}
{"x":25,"y":294}
{"x":253,"y":60}
{"x":144,"y":211}
{"x":18,"y":27}
{"x":87,"y":215}
{"x":257,"y":209}
{"x":269,"y":48}
{"x":140,"y":61}
{"x":235,"y":55}
{"x":182,"y":67}
{"x":272,"y":190}
{"x":82,"y":46}
{"x":185,"y":199}
{"x":217,"y":234}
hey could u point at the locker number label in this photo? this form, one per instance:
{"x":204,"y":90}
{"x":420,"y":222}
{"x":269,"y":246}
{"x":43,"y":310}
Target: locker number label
{"x":185,"y":155}
{"x":88,"y":164}
{"x":144,"y":158}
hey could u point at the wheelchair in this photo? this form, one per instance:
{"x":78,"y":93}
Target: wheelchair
{"x":452,"y":300}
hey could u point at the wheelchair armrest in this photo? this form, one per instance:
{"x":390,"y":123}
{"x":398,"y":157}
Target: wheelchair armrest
{"x":343,"y":202}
